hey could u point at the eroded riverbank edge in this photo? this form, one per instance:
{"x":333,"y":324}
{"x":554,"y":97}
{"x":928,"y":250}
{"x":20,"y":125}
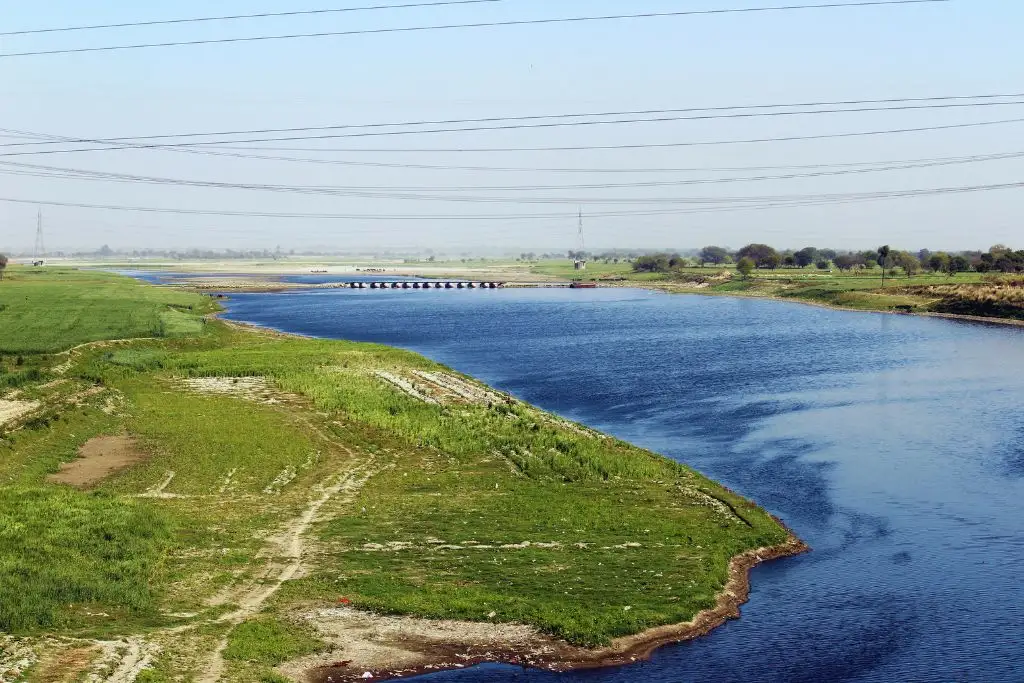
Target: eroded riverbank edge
{"x":420,"y":646}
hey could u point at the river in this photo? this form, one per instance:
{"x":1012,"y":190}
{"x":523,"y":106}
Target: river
{"x":893,"y":445}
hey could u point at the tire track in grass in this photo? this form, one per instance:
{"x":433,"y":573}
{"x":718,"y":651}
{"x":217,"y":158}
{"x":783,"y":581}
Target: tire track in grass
{"x":289,"y":545}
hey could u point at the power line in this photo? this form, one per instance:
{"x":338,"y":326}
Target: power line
{"x":616,"y":171}
{"x":195,"y":148}
{"x":484,"y":24}
{"x":953,"y":100}
{"x":717,"y":203}
{"x":34,"y":170}
{"x":659,"y":145}
{"x":852,"y":167}
{"x":559,"y":124}
{"x":234,"y":17}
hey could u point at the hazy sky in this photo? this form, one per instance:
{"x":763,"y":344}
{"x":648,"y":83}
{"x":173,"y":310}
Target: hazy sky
{"x":963,"y":47}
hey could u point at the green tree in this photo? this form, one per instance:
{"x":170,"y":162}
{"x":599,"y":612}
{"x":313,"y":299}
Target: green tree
{"x":908,"y":262}
{"x":938,"y":262}
{"x":762,"y":255}
{"x":806,"y":256}
{"x":745,"y":266}
{"x":713,"y":255}
{"x":3,"y":265}
{"x":654,"y":263}
{"x":846,"y":261}
{"x":677,"y":261}
{"x":823,"y":265}
{"x":958,"y":264}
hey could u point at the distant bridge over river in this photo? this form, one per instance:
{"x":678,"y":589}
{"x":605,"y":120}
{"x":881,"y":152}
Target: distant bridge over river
{"x":425,"y":284}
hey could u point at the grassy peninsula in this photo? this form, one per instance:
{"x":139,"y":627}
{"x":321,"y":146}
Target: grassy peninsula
{"x":186,"y":500}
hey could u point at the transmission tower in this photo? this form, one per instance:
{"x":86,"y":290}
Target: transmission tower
{"x":583,"y":244}
{"x":40,"y":250}
{"x":580,"y":262}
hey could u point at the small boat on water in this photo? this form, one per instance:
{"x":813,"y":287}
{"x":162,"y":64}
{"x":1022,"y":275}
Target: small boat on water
{"x":582,"y":285}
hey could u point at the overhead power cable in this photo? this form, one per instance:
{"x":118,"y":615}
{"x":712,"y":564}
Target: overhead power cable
{"x":57,"y":172}
{"x":473,"y":25}
{"x":557,"y":124}
{"x":236,"y":17}
{"x":716,"y":203}
{"x":943,"y":101}
{"x":656,"y":145}
{"x":615,"y":170}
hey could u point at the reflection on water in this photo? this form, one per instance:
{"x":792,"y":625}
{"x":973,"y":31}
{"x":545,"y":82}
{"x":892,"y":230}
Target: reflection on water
{"x":892,"y":444}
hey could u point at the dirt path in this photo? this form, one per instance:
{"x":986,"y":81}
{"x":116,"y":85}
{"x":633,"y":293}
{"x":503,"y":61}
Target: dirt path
{"x":289,"y":546}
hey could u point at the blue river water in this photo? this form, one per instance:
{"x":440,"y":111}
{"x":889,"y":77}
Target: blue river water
{"x":893,"y":445}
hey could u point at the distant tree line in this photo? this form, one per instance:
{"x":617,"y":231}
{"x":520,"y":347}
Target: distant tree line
{"x":891,"y":262}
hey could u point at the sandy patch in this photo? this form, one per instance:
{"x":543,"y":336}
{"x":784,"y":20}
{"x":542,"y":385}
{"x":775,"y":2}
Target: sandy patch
{"x":407,"y":387}
{"x":258,"y":389}
{"x":122,"y":661}
{"x":98,"y":459}
{"x":462,"y":390}
{"x":404,"y":645}
{"x":441,"y":388}
{"x":14,"y":410}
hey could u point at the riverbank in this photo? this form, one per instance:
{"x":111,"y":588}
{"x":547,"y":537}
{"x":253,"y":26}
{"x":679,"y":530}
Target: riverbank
{"x":376,"y":646}
{"x":893,"y":303}
{"x":245,"y":479}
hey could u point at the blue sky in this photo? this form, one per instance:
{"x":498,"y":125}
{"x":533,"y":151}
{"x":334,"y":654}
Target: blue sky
{"x":959,"y":47}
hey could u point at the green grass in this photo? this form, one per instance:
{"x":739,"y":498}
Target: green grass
{"x":565,"y":269}
{"x":601,"y":538}
{"x":63,"y":554}
{"x":270,"y":641}
{"x":46,"y":310}
{"x":501,"y":476}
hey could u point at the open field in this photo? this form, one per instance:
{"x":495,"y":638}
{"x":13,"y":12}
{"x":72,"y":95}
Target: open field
{"x":246,"y":506}
{"x":46,"y":310}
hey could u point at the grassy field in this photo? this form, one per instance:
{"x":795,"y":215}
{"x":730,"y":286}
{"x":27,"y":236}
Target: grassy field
{"x":49,"y":310}
{"x":259,"y":451}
